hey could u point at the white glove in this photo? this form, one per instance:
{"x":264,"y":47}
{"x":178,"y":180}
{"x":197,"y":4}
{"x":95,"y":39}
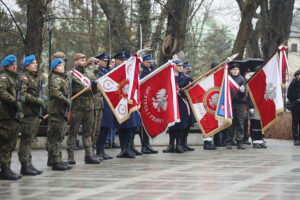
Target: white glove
{"x":251,"y":111}
{"x":242,"y":89}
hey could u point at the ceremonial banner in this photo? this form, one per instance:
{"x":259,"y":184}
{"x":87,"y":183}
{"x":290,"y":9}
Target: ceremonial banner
{"x":121,"y":89}
{"x":204,"y":97}
{"x":224,"y":107}
{"x":159,"y":103}
{"x":265,"y":91}
{"x":283,"y":64}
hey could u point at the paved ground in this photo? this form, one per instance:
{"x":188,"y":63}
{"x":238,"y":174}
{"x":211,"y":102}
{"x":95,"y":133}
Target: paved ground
{"x":251,"y":174}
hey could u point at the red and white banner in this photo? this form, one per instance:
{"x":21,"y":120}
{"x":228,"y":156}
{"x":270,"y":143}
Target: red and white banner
{"x":159,"y":103}
{"x":204,"y":97}
{"x":266,"y":93}
{"x":283,"y":64}
{"x":83,"y":79}
{"x":121,"y":88}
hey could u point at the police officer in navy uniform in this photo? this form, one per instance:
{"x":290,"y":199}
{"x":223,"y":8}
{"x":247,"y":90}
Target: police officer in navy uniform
{"x":146,"y":68}
{"x":108,"y":121}
{"x":176,"y":132}
{"x":191,"y":120}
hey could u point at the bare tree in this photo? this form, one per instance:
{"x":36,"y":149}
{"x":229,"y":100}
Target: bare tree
{"x":176,"y":28}
{"x":245,"y":28}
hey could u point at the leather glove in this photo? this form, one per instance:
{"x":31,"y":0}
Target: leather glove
{"x":42,"y":103}
{"x":181,"y":92}
{"x":242,"y":89}
{"x":251,"y":111}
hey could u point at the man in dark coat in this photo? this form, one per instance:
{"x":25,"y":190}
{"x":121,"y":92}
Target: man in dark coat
{"x":239,"y":103}
{"x":293,"y":95}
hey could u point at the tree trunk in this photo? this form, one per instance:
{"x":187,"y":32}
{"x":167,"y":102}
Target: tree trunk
{"x":144,"y":20}
{"x":276,"y":24}
{"x":114,"y":11}
{"x":34,"y":32}
{"x":176,"y":29}
{"x":245,"y":28}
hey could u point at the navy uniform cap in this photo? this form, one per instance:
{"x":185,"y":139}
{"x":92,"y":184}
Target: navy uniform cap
{"x":103,"y":56}
{"x":178,"y":62}
{"x":122,"y":55}
{"x":28,"y":60}
{"x":234,"y":65}
{"x":8,"y":60}
{"x":147,"y":57}
{"x":186,"y":64}
{"x":297,"y":73}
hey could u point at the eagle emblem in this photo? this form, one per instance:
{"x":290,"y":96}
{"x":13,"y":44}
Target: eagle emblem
{"x":160,"y":102}
{"x":270,"y":92}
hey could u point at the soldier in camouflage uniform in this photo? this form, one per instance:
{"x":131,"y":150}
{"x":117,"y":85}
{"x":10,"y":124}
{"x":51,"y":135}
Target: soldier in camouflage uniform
{"x":9,"y":107}
{"x":57,"y":122}
{"x":61,"y":55}
{"x":82,"y":112}
{"x":31,"y":121}
{"x":92,"y":74}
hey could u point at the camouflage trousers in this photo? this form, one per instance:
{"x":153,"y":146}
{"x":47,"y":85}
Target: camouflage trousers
{"x":9,"y":130}
{"x":55,"y":137}
{"x":96,"y":128}
{"x":29,"y":128}
{"x":86,"y":119}
{"x":236,"y":130}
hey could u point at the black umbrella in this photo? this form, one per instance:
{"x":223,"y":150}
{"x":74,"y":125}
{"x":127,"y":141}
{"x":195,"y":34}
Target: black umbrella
{"x":248,"y":65}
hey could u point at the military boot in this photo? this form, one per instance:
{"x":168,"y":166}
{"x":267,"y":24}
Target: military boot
{"x":240,"y":145}
{"x":102,"y":154}
{"x":133,"y":149}
{"x":184,"y":143}
{"x":60,"y":167}
{"x":50,"y":159}
{"x":146,"y":147}
{"x":26,"y":170}
{"x":170,"y":148}
{"x":7,"y":174}
{"x":35,"y":169}
{"x":71,"y":159}
{"x":179,"y":147}
{"x":125,"y":149}
{"x":208,"y":145}
{"x":91,"y":160}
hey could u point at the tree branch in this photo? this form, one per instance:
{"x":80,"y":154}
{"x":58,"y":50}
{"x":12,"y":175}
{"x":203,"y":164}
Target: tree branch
{"x":15,"y":22}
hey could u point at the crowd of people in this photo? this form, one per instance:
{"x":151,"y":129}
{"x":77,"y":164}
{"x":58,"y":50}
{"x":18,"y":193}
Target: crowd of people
{"x":21,"y":101}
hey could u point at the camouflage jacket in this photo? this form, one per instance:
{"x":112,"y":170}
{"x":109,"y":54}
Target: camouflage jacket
{"x":8,"y":92}
{"x":84,"y":101}
{"x":58,"y":92}
{"x":30,"y":89}
{"x":92,"y":74}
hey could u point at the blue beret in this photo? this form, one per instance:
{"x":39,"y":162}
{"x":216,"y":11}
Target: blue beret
{"x":55,"y":62}
{"x":122,"y":55}
{"x":8,"y":60}
{"x":103,"y":56}
{"x":28,"y":60}
{"x":178,"y":62}
{"x":186,"y":64}
{"x":148,"y":57}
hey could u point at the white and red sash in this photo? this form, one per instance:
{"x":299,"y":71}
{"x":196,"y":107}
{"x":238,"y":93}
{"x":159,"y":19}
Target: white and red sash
{"x":83,"y":79}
